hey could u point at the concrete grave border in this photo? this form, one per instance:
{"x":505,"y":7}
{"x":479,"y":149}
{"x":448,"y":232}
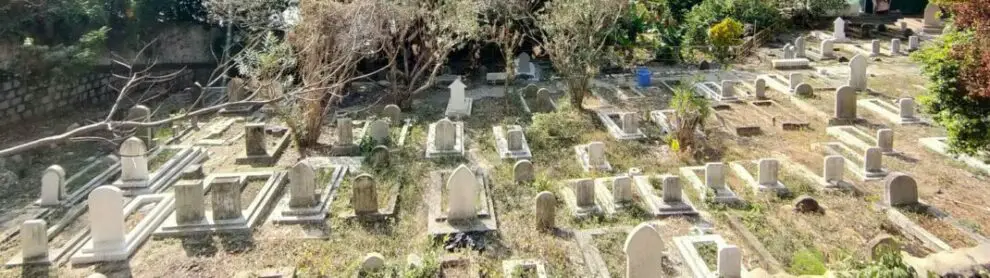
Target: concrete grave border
{"x":938,"y":145}
{"x":525,"y":105}
{"x":707,"y":89}
{"x":885,"y":110}
{"x":271,"y":158}
{"x":831,"y":148}
{"x":79,"y":193}
{"x":437,"y":221}
{"x":136,"y":236}
{"x":502,"y":145}
{"x":459,"y":141}
{"x":655,"y":204}
{"x":784,"y":120}
{"x":592,"y":256}
{"x":250,"y":216}
{"x":749,"y":179}
{"x":844,"y":134}
{"x":726,"y":196}
{"x":217,"y":129}
{"x":697,"y":265}
{"x":283,"y":214}
{"x":508,"y":266}
{"x":569,"y":197}
{"x":382,"y":213}
{"x":168,"y":173}
{"x":604,"y":116}
{"x":582,"y":156}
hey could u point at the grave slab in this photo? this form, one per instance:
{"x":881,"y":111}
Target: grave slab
{"x":605,"y":116}
{"x":722,"y":194}
{"x":438,"y":222}
{"x":667,"y":205}
{"x":283,"y":213}
{"x":888,"y":111}
{"x":458,"y":144}
{"x":272,"y":152}
{"x":535,"y":265}
{"x":686,"y":248}
{"x":132,"y":240}
{"x":504,"y":148}
{"x":583,"y":157}
{"x":248,"y":218}
{"x":758,"y":187}
{"x":940,"y":145}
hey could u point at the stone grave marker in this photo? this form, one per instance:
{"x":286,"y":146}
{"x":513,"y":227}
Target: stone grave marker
{"x":804,"y":90}
{"x":523,"y":63}
{"x":302,"y":186}
{"x":584,"y":192}
{"x":345,"y":132}
{"x":225,"y":193}
{"x":839,"y":29}
{"x":728,"y":89}
{"x":873,"y":160}
{"x":760,"y":88}
{"x":885,"y":140}
{"x":458,"y":104}
{"x":378,"y":131}
{"x":827,"y":48}
{"x":895,"y":47}
{"x":34,"y":240}
{"x":134,"y":162}
{"x":906,"y":106}
{"x":630,"y":123}
{"x":372,"y":262}
{"x":845,"y":103}
{"x":729,"y":261}
{"x":794,"y":79}
{"x":672,"y":189}
{"x":546,"y":211}
{"x":882,"y":244}
{"x":857,"y":73}
{"x":52,"y":186}
{"x":931,"y":18}
{"x":141,"y":113}
{"x":835,"y":166}
{"x":445,"y":135}
{"x":514,"y":137}
{"x":768,"y":172}
{"x":596,"y":154}
{"x":365,"y":196}
{"x":379,"y":155}
{"x":914,"y":43}
{"x":543,"y":96}
{"x":523,"y":171}
{"x":788,"y":51}
{"x":235,"y":89}
{"x":874,"y":48}
{"x":392,"y":112}
{"x":189,"y":202}
{"x":900,"y":189}
{"x":644,"y":252}
{"x":799,"y":47}
{"x":462,"y":187}
{"x":254,"y":139}
{"x":715,"y":175}
{"x":106,"y":218}
{"x":622,"y":189}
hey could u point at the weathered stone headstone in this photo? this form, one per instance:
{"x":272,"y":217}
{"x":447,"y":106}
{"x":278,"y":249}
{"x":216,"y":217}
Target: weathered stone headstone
{"x":729,"y":261}
{"x":895,"y":47}
{"x":141,"y":113}
{"x":900,"y":189}
{"x":596,"y":154}
{"x":34,"y":240}
{"x":857,"y":72}
{"x":546,"y":210}
{"x":828,"y":48}
{"x":523,"y":171}
{"x":768,"y":171}
{"x":515,"y":138}
{"x":760,"y":88}
{"x":530,"y":90}
{"x":106,"y":218}
{"x":882,"y":244}
{"x":874,"y":48}
{"x":630,"y":123}
{"x":378,"y":131}
{"x":365,"y":194}
{"x":393,"y":112}
{"x":445,"y":135}
{"x":52,"y":186}
{"x":379,"y":155}
{"x":845,"y":103}
{"x":302,"y":186}
{"x":728,"y":89}
{"x":885,"y":140}
{"x":644,"y":252}
{"x":873,"y":160}
{"x":839,"y":29}
{"x":799,"y":47}
{"x":622,"y":189}
{"x":672,"y":189}
{"x":584,"y":192}
{"x":906,"y":106}
{"x":523,"y":63}
{"x":189,"y":205}
{"x":835,"y":167}
{"x":715,"y":175}
{"x":932,"y":18}
{"x":543,"y":96}
{"x":133,"y":160}
{"x":794,"y":79}
{"x":372,"y":262}
{"x":345,"y":132}
{"x":235,"y":89}
{"x":914,"y":43}
{"x":804,"y":90}
{"x":457,"y":103}
{"x":462,"y":187}
{"x":788,"y":51}
{"x":225,"y":193}
{"x":254,"y":139}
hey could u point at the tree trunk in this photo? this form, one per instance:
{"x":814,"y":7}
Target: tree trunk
{"x":578,"y":88}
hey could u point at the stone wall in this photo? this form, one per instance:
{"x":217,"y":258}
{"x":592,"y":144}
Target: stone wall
{"x":20,"y":100}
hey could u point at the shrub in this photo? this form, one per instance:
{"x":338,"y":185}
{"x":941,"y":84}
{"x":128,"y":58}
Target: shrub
{"x":556,"y":129}
{"x":723,"y":36}
{"x":806,"y":262}
{"x":759,"y":13}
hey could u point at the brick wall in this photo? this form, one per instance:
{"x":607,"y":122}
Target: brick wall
{"x":20,"y":100}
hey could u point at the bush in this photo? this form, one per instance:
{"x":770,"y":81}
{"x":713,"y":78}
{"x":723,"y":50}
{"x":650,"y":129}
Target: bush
{"x":807,"y":262}
{"x":759,"y":13}
{"x":723,"y":36}
{"x":556,"y":129}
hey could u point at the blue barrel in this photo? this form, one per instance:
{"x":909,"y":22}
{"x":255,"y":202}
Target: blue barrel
{"x":643,"y":77}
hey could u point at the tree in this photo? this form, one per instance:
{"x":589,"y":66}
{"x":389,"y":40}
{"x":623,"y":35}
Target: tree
{"x":724,"y":36}
{"x":505,"y":23}
{"x":690,"y":112}
{"x":574,"y":35}
{"x":419,"y":35}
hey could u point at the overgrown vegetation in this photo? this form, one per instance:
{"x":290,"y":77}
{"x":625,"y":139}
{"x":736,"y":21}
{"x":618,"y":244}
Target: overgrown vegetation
{"x":690,"y":113}
{"x":724,"y":36}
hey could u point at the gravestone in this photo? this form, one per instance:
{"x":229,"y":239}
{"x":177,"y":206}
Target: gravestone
{"x":788,"y":51}
{"x":932,"y":18}
{"x":839,"y":29}
{"x":794,"y":79}
{"x":857,"y":73}
{"x":845,"y":103}
{"x":806,"y":204}
{"x":873,"y":160}
{"x":523,"y":171}
{"x":644,"y":252}
{"x":523,"y":63}
{"x":372,"y":262}
{"x":584,"y":192}
{"x":225,"y":193}
{"x":393,"y":113}
{"x":302,"y":186}
{"x":799,"y":47}
{"x":546,"y":211}
{"x":462,"y":187}
{"x":34,"y":240}
{"x":728,"y":89}
{"x":345,"y":132}
{"x":804,"y":90}
{"x":254,"y":139}
{"x":895,"y":47}
{"x":881,"y":245}
{"x":828,"y":48}
{"x":133,"y":161}
{"x":52,"y":186}
{"x":768,"y":171}
{"x":515,"y":138}
{"x":622,"y":189}
{"x":835,"y":167}
{"x":189,"y":202}
{"x":760,"y":88}
{"x":445,"y":135}
{"x":596,"y":154}
{"x":379,"y":156}
{"x":885,"y":140}
{"x":715,"y":175}
{"x":235,"y":89}
{"x":378,"y":131}
{"x":365,"y":194}
{"x":900,"y":189}
{"x":530,"y":90}
{"x":457,"y":104}
{"x":874,"y":48}
{"x":106,"y":218}
{"x":906,"y":106}
{"x":914,"y":43}
{"x":543,"y":97}
{"x":729,"y":261}
{"x":630,"y":123}
{"x":141,"y":113}
{"x":672,"y":189}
